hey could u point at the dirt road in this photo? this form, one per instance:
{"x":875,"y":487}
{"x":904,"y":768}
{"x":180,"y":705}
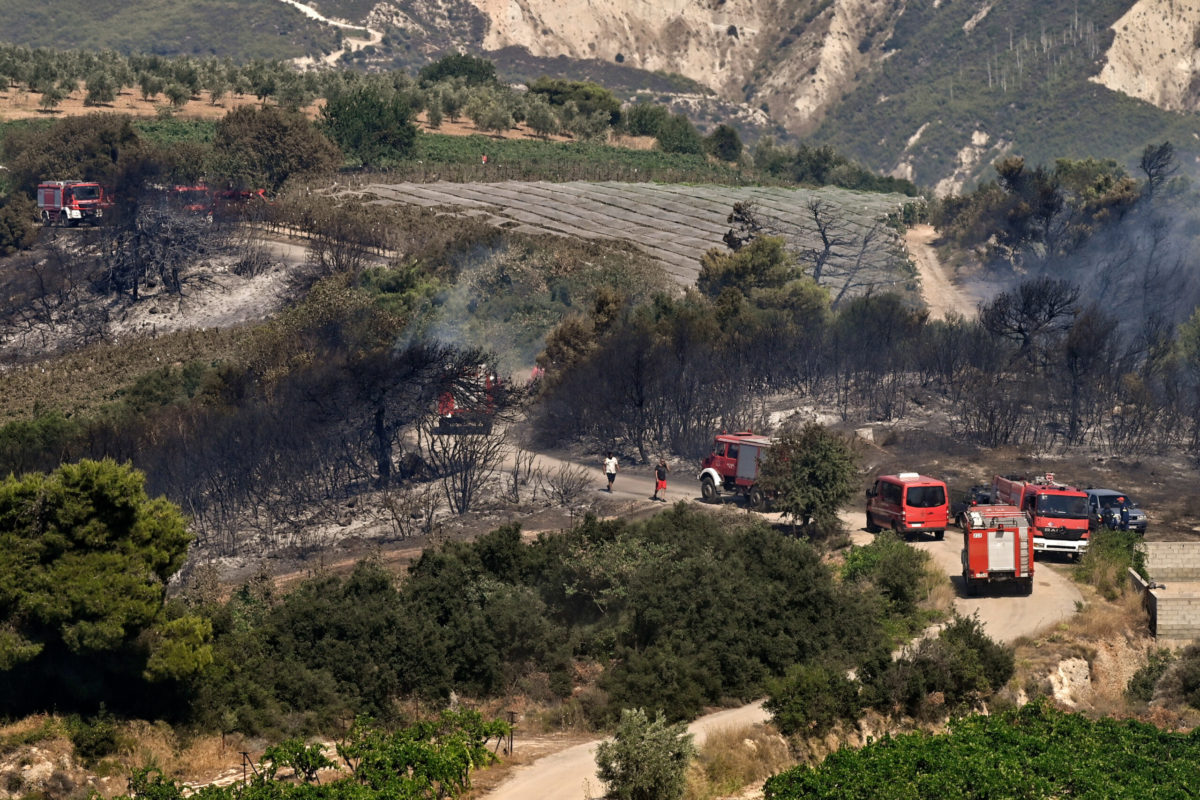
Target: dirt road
{"x":571,"y":774}
{"x":939,"y":294}
{"x":1005,"y":613}
{"x":942,"y":292}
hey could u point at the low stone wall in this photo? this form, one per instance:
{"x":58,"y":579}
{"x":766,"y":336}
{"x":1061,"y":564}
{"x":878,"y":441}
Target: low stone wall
{"x":1173,"y":561}
{"x":1172,"y":596}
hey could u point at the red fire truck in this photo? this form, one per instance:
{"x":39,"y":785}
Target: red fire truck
{"x":473,"y":409}
{"x":67,"y":203}
{"x":997,"y":547}
{"x":1058,"y":512}
{"x":732,"y":467}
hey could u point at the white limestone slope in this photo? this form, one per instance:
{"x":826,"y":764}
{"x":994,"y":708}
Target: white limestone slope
{"x":1154,"y":56}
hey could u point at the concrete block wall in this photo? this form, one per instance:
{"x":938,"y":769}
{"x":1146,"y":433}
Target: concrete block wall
{"x":1177,"y":618}
{"x":1173,"y":561}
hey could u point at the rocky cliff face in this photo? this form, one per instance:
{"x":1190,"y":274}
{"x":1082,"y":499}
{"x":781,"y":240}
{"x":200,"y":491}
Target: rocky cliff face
{"x":796,"y":56}
{"x":1154,"y":54}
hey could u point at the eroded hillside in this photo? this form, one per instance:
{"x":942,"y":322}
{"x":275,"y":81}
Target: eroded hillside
{"x":1153,"y":55}
{"x":797,"y":56}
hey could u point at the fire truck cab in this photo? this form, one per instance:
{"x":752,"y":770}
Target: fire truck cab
{"x":68,"y":203}
{"x":1058,"y":512}
{"x":732,"y":467}
{"x":997,"y":547}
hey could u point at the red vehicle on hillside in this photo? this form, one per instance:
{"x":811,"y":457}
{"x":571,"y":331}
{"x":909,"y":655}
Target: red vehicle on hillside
{"x":997,"y":547}
{"x":732,"y":467}
{"x":908,"y":503}
{"x":68,"y":203}
{"x":1057,"y":511}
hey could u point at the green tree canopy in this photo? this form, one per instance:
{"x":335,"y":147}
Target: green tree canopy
{"x":85,"y":556}
{"x":810,"y":472}
{"x":370,"y":122}
{"x":677,"y":134}
{"x":588,"y":97}
{"x":458,"y":65}
{"x":93,"y":147}
{"x":262,"y":148}
{"x":724,"y":143}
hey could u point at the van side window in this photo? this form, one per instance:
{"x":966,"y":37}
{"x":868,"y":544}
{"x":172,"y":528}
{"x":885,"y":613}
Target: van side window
{"x":892,"y":493}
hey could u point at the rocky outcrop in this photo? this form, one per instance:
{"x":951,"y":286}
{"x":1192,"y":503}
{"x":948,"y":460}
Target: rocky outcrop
{"x":798,"y":57}
{"x":1153,"y":55}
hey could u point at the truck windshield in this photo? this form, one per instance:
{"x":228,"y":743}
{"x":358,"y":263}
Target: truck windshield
{"x":1057,"y":505}
{"x":926,"y":496}
{"x":86,"y":192}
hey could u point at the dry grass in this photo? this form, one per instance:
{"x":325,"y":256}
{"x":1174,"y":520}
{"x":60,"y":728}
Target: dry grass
{"x":938,"y":592}
{"x":1112,"y":637}
{"x":86,"y":378}
{"x":18,"y":103}
{"x":732,"y":759}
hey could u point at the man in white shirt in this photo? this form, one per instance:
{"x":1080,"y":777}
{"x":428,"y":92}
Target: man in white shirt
{"x":610,"y":469}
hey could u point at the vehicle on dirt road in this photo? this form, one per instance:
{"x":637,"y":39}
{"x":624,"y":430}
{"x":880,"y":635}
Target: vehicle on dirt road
{"x":978,"y":495}
{"x":908,"y":503}
{"x":1059,"y":512}
{"x":1104,"y":510}
{"x":68,"y":203}
{"x":997,"y":547}
{"x":732,"y":467}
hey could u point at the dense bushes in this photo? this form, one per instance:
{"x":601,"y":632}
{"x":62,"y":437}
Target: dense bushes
{"x":1109,"y":557}
{"x":680,"y":610}
{"x":935,"y":677}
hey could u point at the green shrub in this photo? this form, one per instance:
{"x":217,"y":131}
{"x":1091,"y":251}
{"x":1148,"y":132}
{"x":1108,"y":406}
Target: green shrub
{"x":18,"y":224}
{"x":1141,"y":685}
{"x":677,"y":134}
{"x":96,"y":737}
{"x":891,"y":565}
{"x":645,"y":119}
{"x":962,"y":666}
{"x":1110,"y":555}
{"x":812,"y":698}
{"x":646,"y":760}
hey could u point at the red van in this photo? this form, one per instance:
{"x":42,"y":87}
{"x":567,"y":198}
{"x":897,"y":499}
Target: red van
{"x":908,"y":503}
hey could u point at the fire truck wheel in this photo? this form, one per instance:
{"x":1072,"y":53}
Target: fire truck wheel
{"x":758,"y":499}
{"x":45,"y":218}
{"x":871,"y":526}
{"x":63,"y":220}
{"x":708,"y":489}
{"x":1028,"y":586}
{"x":972,"y":586}
{"x":939,"y":535}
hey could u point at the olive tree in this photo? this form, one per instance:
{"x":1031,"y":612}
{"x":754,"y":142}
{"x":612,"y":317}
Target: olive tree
{"x":809,"y":472}
{"x":646,"y":759}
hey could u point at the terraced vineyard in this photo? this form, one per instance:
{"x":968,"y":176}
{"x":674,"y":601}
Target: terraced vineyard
{"x":674,"y":223}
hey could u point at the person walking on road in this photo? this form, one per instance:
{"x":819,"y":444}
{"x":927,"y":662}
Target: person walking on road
{"x":660,"y":480}
{"x":610,"y":469}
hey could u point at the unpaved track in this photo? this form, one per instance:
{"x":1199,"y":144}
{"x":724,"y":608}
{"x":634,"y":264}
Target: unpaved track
{"x":1006,"y":614}
{"x":571,"y":774}
{"x":940,"y":295}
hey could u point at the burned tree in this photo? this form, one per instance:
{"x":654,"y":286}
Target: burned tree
{"x":1031,"y":315}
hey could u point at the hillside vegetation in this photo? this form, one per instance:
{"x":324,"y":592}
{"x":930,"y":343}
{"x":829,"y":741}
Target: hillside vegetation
{"x":1018,"y":75}
{"x":242,"y":29}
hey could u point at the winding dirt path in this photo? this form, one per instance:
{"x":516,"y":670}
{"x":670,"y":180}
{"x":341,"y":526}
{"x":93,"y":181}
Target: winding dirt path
{"x":571,"y":774}
{"x":939,"y":294}
{"x":355,"y":43}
